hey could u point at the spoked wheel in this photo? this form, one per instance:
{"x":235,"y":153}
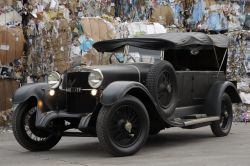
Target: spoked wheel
{"x":165,"y":90}
{"x":223,"y":126}
{"x":162,"y":84}
{"x":123,"y":128}
{"x":27,"y":134}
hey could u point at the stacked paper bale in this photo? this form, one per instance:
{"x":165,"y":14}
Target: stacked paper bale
{"x":11,"y":44}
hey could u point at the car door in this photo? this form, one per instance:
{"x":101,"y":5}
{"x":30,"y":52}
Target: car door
{"x":184,"y":81}
{"x":200,"y":86}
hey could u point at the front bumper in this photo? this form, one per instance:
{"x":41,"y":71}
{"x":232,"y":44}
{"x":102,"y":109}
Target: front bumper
{"x":43,"y":120}
{"x":75,"y":107}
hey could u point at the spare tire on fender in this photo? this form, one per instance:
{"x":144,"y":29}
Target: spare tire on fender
{"x":162,"y":84}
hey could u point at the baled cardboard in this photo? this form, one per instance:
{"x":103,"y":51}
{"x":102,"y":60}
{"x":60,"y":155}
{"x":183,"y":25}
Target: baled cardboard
{"x":11,"y":44}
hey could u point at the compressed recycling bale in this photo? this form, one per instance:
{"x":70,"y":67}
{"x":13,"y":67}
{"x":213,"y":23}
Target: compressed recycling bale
{"x":61,"y":66}
{"x":11,"y":44}
{"x":162,"y":14}
{"x":98,"y":29}
{"x":7,"y":89}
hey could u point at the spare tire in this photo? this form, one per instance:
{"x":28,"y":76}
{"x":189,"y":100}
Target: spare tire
{"x":162,"y":84}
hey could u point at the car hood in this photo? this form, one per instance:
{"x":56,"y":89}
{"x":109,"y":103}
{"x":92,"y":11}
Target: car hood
{"x":124,"y":72}
{"x":116,"y":72}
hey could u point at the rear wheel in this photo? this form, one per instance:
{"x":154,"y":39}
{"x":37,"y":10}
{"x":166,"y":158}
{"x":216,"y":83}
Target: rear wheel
{"x":223,"y":126}
{"x":27,"y":134}
{"x":123,"y":128}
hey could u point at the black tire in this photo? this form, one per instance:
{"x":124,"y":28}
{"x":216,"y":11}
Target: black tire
{"x":25,"y":132}
{"x":113,"y":123}
{"x":223,"y":126}
{"x":162,"y":84}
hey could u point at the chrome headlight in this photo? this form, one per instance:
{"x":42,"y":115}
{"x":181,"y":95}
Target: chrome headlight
{"x":54,"y":79}
{"x":95,"y":78}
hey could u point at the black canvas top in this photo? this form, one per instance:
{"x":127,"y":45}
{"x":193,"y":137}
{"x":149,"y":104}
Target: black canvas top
{"x":164,"y":41}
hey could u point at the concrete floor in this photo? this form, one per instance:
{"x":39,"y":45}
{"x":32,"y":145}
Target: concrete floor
{"x":172,"y":147}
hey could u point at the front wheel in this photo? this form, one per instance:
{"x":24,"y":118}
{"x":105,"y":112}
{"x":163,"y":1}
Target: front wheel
{"x":123,"y":128}
{"x":25,"y":132}
{"x":223,"y":126}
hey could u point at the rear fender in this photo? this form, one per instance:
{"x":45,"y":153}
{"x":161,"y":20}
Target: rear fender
{"x":213,"y":99}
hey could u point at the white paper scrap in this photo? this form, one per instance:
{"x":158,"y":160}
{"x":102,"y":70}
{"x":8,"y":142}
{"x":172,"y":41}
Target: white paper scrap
{"x":4,"y":47}
{"x":53,"y":4}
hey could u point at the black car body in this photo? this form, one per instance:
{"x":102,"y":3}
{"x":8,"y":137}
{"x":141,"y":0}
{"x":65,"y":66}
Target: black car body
{"x":123,"y":103}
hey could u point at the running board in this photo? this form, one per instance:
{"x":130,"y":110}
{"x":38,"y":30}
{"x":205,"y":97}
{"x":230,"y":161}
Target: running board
{"x":201,"y":120}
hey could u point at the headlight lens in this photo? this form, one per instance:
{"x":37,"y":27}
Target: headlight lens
{"x":54,"y":80}
{"x":95,"y":78}
{"x":52,"y":92}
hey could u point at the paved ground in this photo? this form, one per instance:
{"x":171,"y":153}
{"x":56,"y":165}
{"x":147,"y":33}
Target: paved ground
{"x":172,"y":147}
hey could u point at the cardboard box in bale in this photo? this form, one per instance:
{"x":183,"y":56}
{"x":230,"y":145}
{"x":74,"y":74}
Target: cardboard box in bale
{"x":7,"y":89}
{"x":11,"y":44}
{"x":7,"y":2}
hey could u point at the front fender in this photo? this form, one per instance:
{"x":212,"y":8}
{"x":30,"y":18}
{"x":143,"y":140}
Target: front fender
{"x":116,"y":90}
{"x":36,"y":90}
{"x":213,"y":99}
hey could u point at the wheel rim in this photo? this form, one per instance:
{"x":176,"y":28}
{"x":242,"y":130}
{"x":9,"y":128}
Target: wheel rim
{"x":165,"y":89}
{"x":29,"y":127}
{"x":225,"y":116}
{"x":125,"y":127}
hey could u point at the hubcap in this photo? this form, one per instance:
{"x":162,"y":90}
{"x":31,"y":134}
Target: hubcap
{"x":128,"y":126}
{"x":225,"y":116}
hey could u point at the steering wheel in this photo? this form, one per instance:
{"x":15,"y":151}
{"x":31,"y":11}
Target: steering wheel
{"x":131,"y":58}
{"x":113,"y":54}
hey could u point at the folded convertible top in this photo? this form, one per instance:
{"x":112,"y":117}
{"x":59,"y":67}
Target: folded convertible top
{"x":164,"y":41}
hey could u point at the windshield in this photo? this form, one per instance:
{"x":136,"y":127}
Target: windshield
{"x":135,"y":55}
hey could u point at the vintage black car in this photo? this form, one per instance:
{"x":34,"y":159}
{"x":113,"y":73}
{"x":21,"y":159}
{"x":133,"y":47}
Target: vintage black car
{"x":153,"y":82}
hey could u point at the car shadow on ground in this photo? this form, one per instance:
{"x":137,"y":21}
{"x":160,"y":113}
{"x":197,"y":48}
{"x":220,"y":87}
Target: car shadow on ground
{"x":92,"y":148}
{"x":177,"y":139}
